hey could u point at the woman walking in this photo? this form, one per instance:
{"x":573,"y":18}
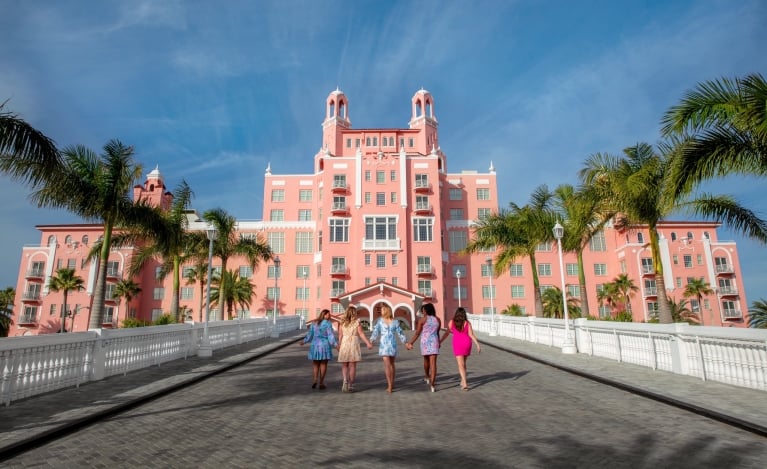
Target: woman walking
{"x":349,"y":334}
{"x":322,"y":338}
{"x":388,"y":329}
{"x":463,"y":336}
{"x":427,"y":328}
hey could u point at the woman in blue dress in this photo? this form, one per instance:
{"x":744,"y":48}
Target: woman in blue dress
{"x":321,"y":337}
{"x":428,"y":327}
{"x":388,"y":329}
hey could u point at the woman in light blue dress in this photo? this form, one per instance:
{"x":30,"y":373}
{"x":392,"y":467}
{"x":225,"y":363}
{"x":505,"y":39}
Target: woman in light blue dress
{"x":321,"y":338}
{"x":388,"y":329}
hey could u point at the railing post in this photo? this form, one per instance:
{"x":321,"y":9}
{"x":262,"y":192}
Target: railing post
{"x":678,"y":358}
{"x":579,"y":326}
{"x":99,"y":355}
{"x":239,"y":331}
{"x":531,"y":329}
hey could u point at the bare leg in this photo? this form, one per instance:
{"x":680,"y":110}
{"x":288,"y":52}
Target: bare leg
{"x":352,"y":374}
{"x":433,"y":369}
{"x":345,"y":370}
{"x":461,"y":360}
{"x":426,"y":372}
{"x":315,"y":372}
{"x":323,"y":370}
{"x":389,"y":372}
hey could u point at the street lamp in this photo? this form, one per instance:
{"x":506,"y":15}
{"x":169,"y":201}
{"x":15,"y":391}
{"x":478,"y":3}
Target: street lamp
{"x":458,"y":276}
{"x":567,"y":346}
{"x":205,"y":349}
{"x":306,"y":275}
{"x":276,"y":296}
{"x":493,"y":328}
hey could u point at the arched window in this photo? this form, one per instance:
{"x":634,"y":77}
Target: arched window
{"x":706,"y":235}
{"x":51,"y":240}
{"x":689,"y":235}
{"x":673,"y":236}
{"x":85,"y":239}
{"x":68,"y":239}
{"x":640,"y":238}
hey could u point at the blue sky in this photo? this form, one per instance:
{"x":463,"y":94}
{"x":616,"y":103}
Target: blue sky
{"x":214,"y":91}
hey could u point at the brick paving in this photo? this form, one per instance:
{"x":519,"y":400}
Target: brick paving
{"x":522,"y":410}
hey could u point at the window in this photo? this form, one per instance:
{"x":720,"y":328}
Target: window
{"x":721,"y":265}
{"x":517,"y":291}
{"x":411,"y":142}
{"x":395,"y":281}
{"x":339,"y":230}
{"x":71,"y":264}
{"x":348,"y":143}
{"x":277,"y":215}
{"x":357,"y":143}
{"x":424,"y":264}
{"x":394,"y":259}
{"x":675,"y":259}
{"x":673,"y":236}
{"x":305,"y":195}
{"x":367,"y":141}
{"x":515,"y":270}
{"x":302,"y":293}
{"x":574,"y":291}
{"x":368,"y":259}
{"x":276,"y":241}
{"x":483,"y":193}
{"x":726,"y":286}
{"x":422,"y":229}
{"x":483,"y":213}
{"x":380,"y":177}
{"x":157,"y":314}
{"x":488,"y":292}
{"x":679,"y":282}
{"x":456,"y":214}
{"x":302,"y":271}
{"x":545,"y":247}
{"x":544,"y":270}
{"x":730,"y":309}
{"x":367,"y":175}
{"x":380,"y":228}
{"x":456,"y":268}
{"x":600,"y":269}
{"x":303,"y":242}
{"x":392,"y":173}
{"x":272,"y":294}
{"x":375,"y":141}
{"x":421,"y":202}
{"x":424,"y":288}
{"x":694,"y":305}
{"x":699,"y":259}
{"x":68,"y":240}
{"x":597,"y":242}
{"x":572,"y":269}
{"x":339,"y":202}
{"x":367,"y":197}
{"x":158,"y":273}
{"x":339,"y":181}
{"x":278,"y":195}
{"x":462,"y":293}
{"x":689,"y":236}
{"x":380,"y":261}
{"x":640,"y":238}
{"x":304,"y":215}
{"x":338,"y":288}
{"x":687,"y":261}
{"x":457,"y":240}
{"x":159,"y":293}
{"x":380,"y":198}
{"x":246,"y":271}
{"x":421,"y":180}
{"x":456,"y":194}
{"x":187,"y":293}
{"x":393,"y":197}
{"x":486,"y":270}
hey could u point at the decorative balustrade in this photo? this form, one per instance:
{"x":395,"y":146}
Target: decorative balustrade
{"x":728,"y":355}
{"x":38,"y":364}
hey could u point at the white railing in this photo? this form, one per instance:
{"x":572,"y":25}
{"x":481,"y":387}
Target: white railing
{"x":729,"y":355}
{"x":38,"y":364}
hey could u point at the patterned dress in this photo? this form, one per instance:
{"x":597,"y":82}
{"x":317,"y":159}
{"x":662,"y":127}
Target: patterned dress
{"x":387,"y":347}
{"x":350,"y":343}
{"x":430,"y":336}
{"x":322,"y":338}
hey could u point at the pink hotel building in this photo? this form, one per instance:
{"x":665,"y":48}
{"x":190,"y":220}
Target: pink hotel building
{"x":380,"y":220}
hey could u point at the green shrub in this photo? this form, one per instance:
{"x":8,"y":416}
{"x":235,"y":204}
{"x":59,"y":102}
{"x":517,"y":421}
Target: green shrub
{"x":164,"y":319}
{"x":133,"y":322}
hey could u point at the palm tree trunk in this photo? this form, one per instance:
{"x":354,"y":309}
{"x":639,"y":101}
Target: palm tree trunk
{"x":64,"y":313}
{"x":536,"y":287}
{"x":700,"y":309}
{"x":582,"y":283}
{"x":664,"y":312}
{"x":222,"y":287}
{"x":97,"y":309}
{"x":176,"y":288}
{"x":202,"y":294}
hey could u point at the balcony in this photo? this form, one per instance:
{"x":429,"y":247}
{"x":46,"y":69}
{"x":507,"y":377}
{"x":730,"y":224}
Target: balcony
{"x":336,"y":292}
{"x":339,"y":208}
{"x":422,"y":207}
{"x":35,"y":273}
{"x":426,"y":292}
{"x":731,"y":314}
{"x":424,"y":270}
{"x":380,"y":244}
{"x":114,"y":274}
{"x":27,"y":319}
{"x":648,"y":270}
{"x":339,"y":270}
{"x":339,"y":187}
{"x":723,"y":269}
{"x":728,"y":291}
{"x":422,"y":187}
{"x":31,"y":296}
{"x":650,"y":291}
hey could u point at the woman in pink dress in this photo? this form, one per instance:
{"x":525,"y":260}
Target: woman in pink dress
{"x":427,"y":328}
{"x":463,"y":336}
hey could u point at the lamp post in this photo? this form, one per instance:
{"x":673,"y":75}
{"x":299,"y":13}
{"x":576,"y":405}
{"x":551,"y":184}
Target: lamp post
{"x":567,"y":346}
{"x":458,"y":276}
{"x":493,"y":327}
{"x":306,"y":275}
{"x":276,"y":296}
{"x":205,"y":349}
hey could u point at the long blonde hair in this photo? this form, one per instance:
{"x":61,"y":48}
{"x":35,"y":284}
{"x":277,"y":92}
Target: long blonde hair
{"x":386,"y":312}
{"x":350,"y":315}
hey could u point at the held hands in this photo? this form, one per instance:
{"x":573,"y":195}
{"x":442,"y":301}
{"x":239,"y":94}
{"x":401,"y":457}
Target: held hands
{"x":409,"y":346}
{"x":370,"y":346}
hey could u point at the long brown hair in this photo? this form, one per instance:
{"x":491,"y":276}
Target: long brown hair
{"x":459,"y":319}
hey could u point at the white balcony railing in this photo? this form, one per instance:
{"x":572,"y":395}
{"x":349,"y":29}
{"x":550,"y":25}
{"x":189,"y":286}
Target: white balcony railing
{"x":338,"y":269}
{"x":424,"y":269}
{"x":380,"y":244}
{"x":731,"y":313}
{"x":723,"y":269}
{"x":728,"y":291}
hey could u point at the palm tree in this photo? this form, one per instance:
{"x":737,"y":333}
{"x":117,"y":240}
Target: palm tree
{"x":228,"y":244}
{"x":164,"y":237}
{"x":513,"y":310}
{"x":757,"y":314}
{"x":626,"y":288}
{"x":635,"y":187}
{"x":719,"y":128}
{"x":517,"y":233}
{"x":697,"y":287}
{"x":97,"y":187}
{"x":198,"y":274}
{"x":65,"y":280}
{"x":584,"y":215}
{"x":553,"y":305}
{"x":7,"y":297}
{"x":680,"y":312}
{"x":127,"y":289}
{"x":234,"y":290}
{"x":26,"y":155}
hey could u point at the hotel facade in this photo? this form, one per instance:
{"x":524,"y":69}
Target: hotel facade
{"x":379,"y":219}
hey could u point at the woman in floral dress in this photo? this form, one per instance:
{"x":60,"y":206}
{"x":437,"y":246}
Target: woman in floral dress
{"x":388,"y":329}
{"x":321,"y":337}
{"x":427,"y":328}
{"x":349,"y":334}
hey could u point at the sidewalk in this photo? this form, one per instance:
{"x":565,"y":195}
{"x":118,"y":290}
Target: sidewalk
{"x":25,"y":423}
{"x":740,"y":407}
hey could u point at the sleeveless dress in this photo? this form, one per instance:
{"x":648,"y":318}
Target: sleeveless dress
{"x":430,"y":336}
{"x":321,"y":338}
{"x":461,"y":340}
{"x":350,"y":343}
